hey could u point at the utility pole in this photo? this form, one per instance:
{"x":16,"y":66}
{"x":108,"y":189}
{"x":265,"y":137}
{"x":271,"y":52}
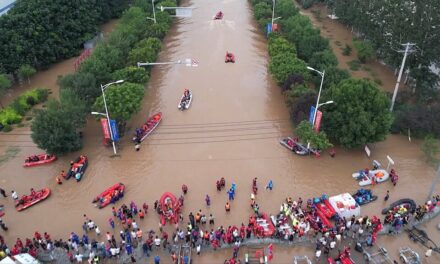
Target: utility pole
{"x":407,"y":50}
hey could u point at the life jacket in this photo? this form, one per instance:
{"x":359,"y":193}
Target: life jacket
{"x":227,"y":206}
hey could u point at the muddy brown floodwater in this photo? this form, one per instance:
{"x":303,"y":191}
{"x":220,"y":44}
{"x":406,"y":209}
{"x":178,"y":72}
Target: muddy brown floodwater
{"x":231,"y":130}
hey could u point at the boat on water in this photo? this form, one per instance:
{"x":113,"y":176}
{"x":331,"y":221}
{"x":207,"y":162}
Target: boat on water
{"x":185,"y":101}
{"x":110,"y":195}
{"x":229,"y":57}
{"x":218,"y":15}
{"x":27,"y":201}
{"x":294,"y":146}
{"x":78,"y":168}
{"x":402,"y":206}
{"x":170,"y":208}
{"x":39,"y":159}
{"x":148,"y":127}
{"x":364,"y":196}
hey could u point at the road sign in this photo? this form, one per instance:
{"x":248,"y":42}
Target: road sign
{"x":191,"y":63}
{"x":367,"y":150}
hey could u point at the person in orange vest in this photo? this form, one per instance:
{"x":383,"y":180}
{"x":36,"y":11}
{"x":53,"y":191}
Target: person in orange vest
{"x":141,"y":214}
{"x":58,"y":180}
{"x":227,"y":207}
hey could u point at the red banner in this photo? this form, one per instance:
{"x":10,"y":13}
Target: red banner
{"x":318,"y":121}
{"x":105,"y":128}
{"x":270,"y":252}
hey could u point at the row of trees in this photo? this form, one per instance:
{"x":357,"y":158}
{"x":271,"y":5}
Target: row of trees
{"x":39,"y":33}
{"x":388,"y":23}
{"x":360,"y":114}
{"x":135,"y":39}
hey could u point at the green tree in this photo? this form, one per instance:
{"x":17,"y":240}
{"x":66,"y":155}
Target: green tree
{"x":132,"y":74}
{"x":145,"y":51}
{"x":359,"y":115}
{"x":73,"y":105}
{"x":430,"y":148}
{"x":317,"y":140}
{"x":300,"y":106}
{"x":365,"y":51}
{"x":333,"y":76}
{"x":323,"y":59}
{"x":279,"y":45}
{"x":123,"y":101}
{"x":83,"y":85}
{"x":284,"y":65}
{"x":54,"y":131}
{"x":26,"y":71}
{"x":5,"y":84}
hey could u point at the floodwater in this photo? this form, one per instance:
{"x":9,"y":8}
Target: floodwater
{"x":231,"y":130}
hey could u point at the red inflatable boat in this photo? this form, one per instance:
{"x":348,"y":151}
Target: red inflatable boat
{"x":170,"y":208}
{"x":42,"y":159}
{"x":27,"y":200}
{"x":148,"y":127}
{"x":325,"y":207}
{"x":265,"y":222}
{"x":229,"y":57}
{"x":105,"y":198}
{"x":218,"y":16}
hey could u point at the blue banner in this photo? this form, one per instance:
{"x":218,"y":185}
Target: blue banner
{"x":311,"y":114}
{"x":114,"y":129}
{"x":268,"y":29}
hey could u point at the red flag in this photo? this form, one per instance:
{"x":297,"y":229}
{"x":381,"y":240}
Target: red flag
{"x":105,"y":128}
{"x":270,"y":252}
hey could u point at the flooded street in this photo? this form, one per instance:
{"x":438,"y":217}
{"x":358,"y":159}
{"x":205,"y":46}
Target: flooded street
{"x":231,"y":130}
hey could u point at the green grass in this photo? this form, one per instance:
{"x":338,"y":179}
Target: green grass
{"x":10,"y":153}
{"x":354,"y":65}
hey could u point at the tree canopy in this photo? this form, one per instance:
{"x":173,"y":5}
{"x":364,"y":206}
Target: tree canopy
{"x":123,"y":101}
{"x":39,"y":33}
{"x":307,"y":135}
{"x":359,"y":115}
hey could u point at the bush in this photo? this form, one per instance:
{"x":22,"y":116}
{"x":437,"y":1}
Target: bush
{"x":421,"y":119}
{"x":132,"y":74}
{"x":430,"y":148}
{"x":7,"y":128}
{"x":279,"y":45}
{"x":300,"y":107}
{"x":9,"y":116}
{"x":365,"y":51}
{"x":354,"y":65}
{"x":346,"y":51}
{"x":322,"y":60}
{"x":284,"y":65}
{"x":333,"y":76}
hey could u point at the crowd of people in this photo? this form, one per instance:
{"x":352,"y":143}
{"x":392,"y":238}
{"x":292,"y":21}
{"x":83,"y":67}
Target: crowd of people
{"x":295,"y":220}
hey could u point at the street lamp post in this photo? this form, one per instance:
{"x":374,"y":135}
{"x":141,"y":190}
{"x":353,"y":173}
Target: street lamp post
{"x":154,"y":13}
{"x":188,"y":62}
{"x":103,"y":87}
{"x":319,"y":93}
{"x":273,"y":11}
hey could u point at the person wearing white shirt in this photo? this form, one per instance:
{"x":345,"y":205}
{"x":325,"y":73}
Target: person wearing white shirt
{"x":79,"y":258}
{"x":98,"y":232}
{"x":134,"y":224}
{"x":14,"y":195}
{"x":157,"y":241}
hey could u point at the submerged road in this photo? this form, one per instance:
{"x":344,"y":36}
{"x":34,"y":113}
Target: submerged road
{"x":231,"y":130}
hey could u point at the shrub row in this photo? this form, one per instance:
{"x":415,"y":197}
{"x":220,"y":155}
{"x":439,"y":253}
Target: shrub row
{"x":135,"y":39}
{"x":14,"y":113}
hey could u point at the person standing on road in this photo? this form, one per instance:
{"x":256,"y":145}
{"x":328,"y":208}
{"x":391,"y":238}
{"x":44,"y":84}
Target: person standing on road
{"x":2,"y":191}
{"x":387,"y":196}
{"x":269,"y":185}
{"x":14,"y":195}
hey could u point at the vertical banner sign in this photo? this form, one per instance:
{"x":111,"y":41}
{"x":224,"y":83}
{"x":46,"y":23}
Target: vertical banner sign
{"x":114,"y":129}
{"x":311,"y":114}
{"x":105,"y":128}
{"x":270,"y":252}
{"x":268,"y":29}
{"x":318,"y":121}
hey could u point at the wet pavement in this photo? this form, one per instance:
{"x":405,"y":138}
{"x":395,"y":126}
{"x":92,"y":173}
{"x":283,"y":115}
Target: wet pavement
{"x":231,"y":130}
